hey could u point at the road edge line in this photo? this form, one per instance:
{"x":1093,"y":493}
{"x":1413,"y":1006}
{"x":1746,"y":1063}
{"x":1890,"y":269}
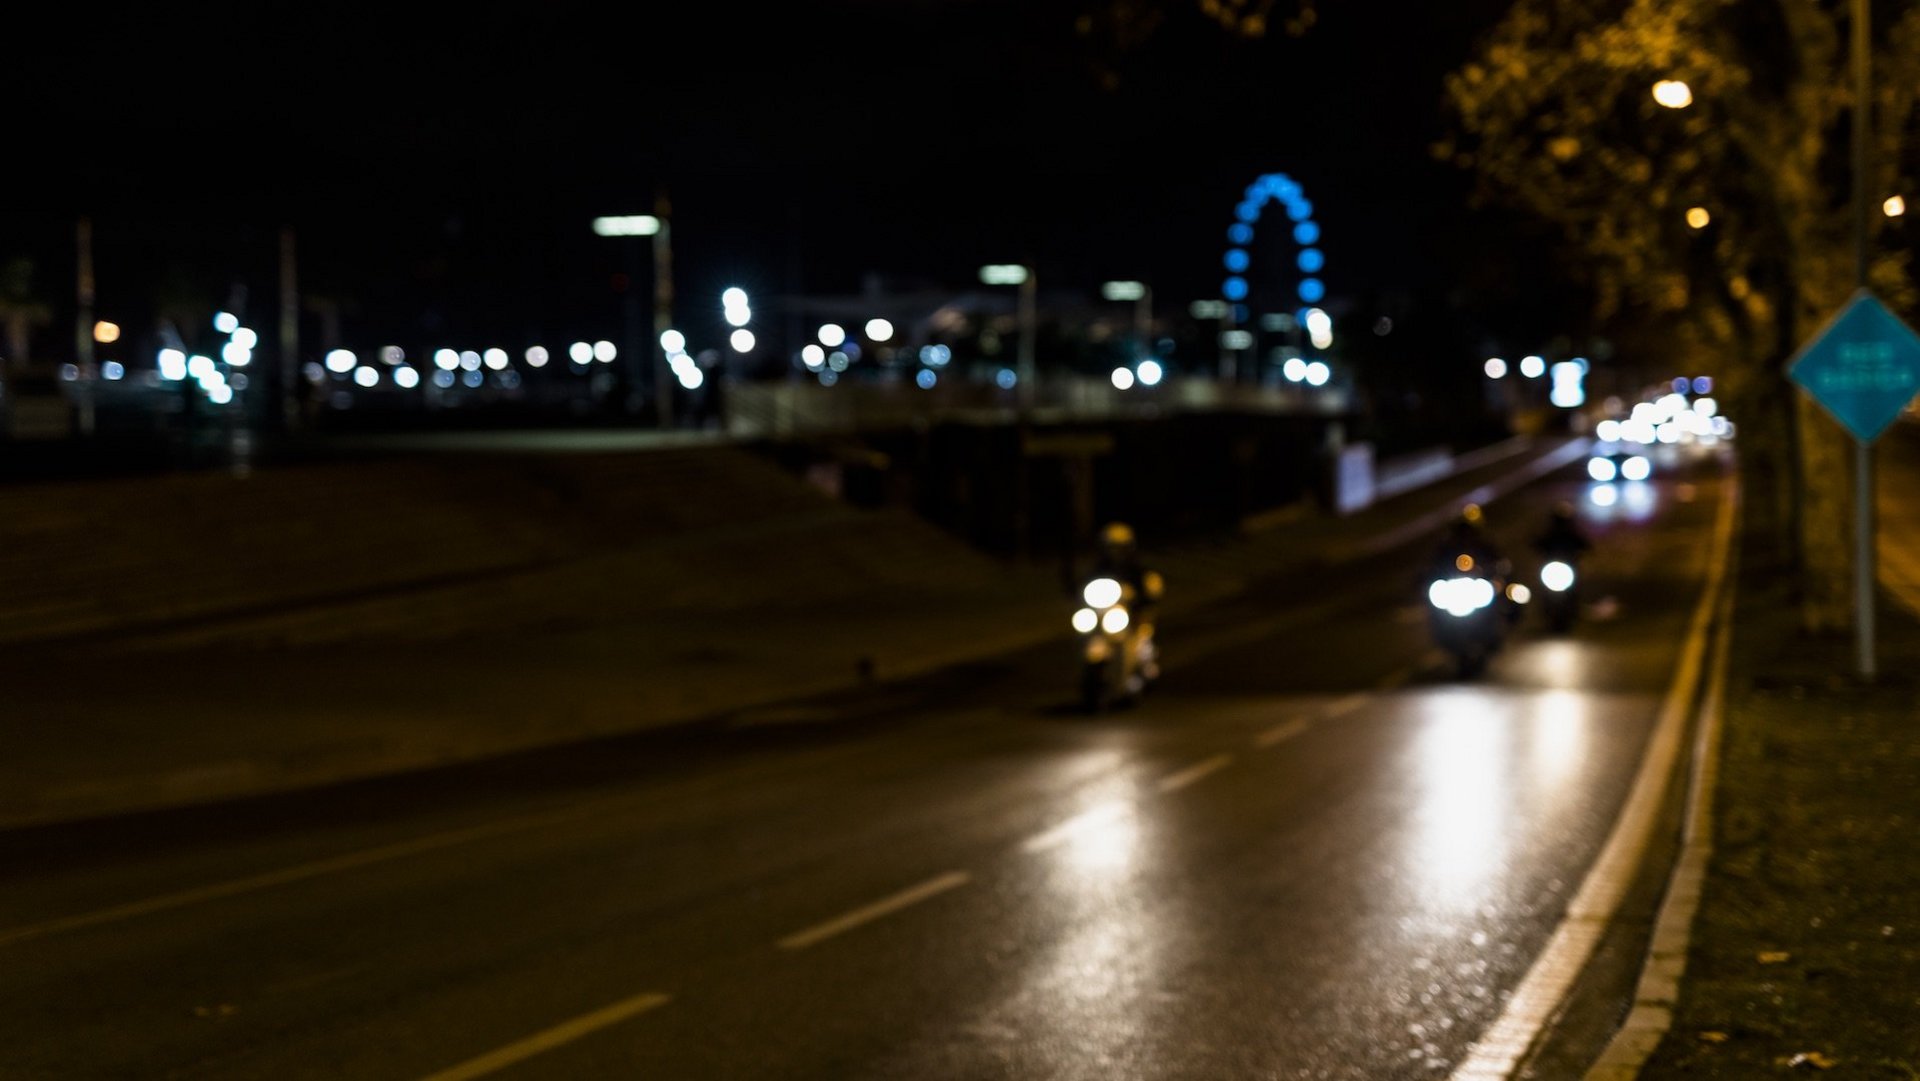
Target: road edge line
{"x":1658,"y":991}
{"x":1531,"y":1007}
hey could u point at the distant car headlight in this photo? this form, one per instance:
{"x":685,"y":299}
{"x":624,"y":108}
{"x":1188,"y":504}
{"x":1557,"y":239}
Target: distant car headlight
{"x":1557,"y":576}
{"x":1519,"y":594}
{"x":1114,"y":621}
{"x":1101,"y":593}
{"x":1636,"y":468}
{"x":1085,"y":620}
{"x":1602,"y":469}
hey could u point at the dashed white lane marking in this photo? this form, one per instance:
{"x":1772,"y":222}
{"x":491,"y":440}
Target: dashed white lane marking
{"x":1347,"y":705}
{"x":1174,"y":782}
{"x":564,"y":1033}
{"x":865,"y":914}
{"x":281,"y":877}
{"x":1091,"y":819}
{"x":1497,"y":1053}
{"x":1282,"y":732}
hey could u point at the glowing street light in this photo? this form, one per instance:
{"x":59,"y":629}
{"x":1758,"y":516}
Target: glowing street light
{"x":627,"y":225}
{"x":673,"y":342}
{"x":879,"y":330}
{"x":604,"y":351}
{"x":741,"y":340}
{"x":1894,"y":206}
{"x":105,"y":332}
{"x":832,"y":335}
{"x":1673,"y":93}
{"x":1697,"y":217}
{"x":225,"y":322}
{"x":1496,"y":368}
{"x":1003,"y":274}
{"x":1150,"y":373}
{"x":1533,"y":367}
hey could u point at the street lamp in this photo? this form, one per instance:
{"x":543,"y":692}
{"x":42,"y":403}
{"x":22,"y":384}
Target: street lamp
{"x":1022,"y":276}
{"x":1673,"y":93}
{"x":1697,"y":218}
{"x":1894,"y":206}
{"x":655,"y":228}
{"x":1142,"y":296}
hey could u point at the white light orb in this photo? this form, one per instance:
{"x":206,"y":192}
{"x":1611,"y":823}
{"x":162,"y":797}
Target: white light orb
{"x":604,"y":352}
{"x":832,"y":335}
{"x":673,"y":341}
{"x":580,"y":353}
{"x":879,"y":330}
{"x":741,"y":340}
{"x":1150,"y":373}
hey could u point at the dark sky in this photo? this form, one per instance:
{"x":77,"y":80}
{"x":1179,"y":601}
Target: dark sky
{"x":442,"y":172}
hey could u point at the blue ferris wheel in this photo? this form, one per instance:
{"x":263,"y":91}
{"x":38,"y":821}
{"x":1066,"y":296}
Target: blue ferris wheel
{"x":1309,"y":259}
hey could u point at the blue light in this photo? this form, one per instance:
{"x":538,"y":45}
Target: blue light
{"x":1680,"y":384}
{"x":1239,"y":313}
{"x":1299,"y":209}
{"x":1282,"y":186}
{"x":1237,"y":260}
{"x":1239,"y":233}
{"x":473,"y":379}
{"x":1005,"y":379}
{"x":1311,"y":260}
{"x":1234,"y":289}
{"x":1312,"y":290}
{"x":1703,"y":384}
{"x":926,"y":379}
{"x":1306,"y":233}
{"x":443,"y":379}
{"x":1247,"y":212}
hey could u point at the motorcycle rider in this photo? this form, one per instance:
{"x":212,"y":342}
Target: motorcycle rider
{"x":1562,"y":539}
{"x":1119,"y":558}
{"x":1467,"y":537}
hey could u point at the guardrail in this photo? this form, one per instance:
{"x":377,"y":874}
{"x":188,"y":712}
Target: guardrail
{"x":780,"y":410}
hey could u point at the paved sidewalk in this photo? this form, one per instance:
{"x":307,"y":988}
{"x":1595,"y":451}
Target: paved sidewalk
{"x":663,"y":629}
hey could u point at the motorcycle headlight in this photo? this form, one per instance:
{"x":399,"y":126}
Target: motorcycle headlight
{"x":1101,"y":593}
{"x":1085,"y":620}
{"x":1557,"y":576}
{"x":1460,"y":596}
{"x":1115,"y":620}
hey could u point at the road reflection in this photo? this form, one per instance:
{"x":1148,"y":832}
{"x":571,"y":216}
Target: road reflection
{"x":1462,"y":778}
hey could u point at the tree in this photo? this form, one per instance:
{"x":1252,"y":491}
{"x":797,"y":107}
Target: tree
{"x":20,"y":310}
{"x":1729,"y":216}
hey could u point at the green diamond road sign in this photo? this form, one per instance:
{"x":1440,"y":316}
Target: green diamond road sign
{"x":1863,"y":366}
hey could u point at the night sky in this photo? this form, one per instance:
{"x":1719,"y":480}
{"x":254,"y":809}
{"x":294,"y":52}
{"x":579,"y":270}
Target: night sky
{"x":442,"y":174}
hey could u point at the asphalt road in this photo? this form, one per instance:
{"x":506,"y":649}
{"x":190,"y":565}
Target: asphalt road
{"x":1310,"y":854}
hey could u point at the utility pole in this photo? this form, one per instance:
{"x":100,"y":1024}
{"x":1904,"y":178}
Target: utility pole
{"x":290,"y":386}
{"x":83,"y":321}
{"x":1863,"y":525}
{"x":1029,"y":305}
{"x":662,"y":309}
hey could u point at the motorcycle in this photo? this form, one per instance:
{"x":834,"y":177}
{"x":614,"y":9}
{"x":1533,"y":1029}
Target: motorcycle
{"x":1470,"y":612}
{"x":1560,"y":599}
{"x":1117,"y":662}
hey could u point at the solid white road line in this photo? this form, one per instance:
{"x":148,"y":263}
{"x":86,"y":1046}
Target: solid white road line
{"x":1498,"y":1052}
{"x":281,"y":877}
{"x":886,"y":906}
{"x":564,"y":1033}
{"x":1174,"y":782}
{"x":1659,"y":988}
{"x":1282,"y":732}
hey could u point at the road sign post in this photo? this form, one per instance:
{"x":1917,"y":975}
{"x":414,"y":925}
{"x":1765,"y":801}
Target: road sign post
{"x":1863,"y":367}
